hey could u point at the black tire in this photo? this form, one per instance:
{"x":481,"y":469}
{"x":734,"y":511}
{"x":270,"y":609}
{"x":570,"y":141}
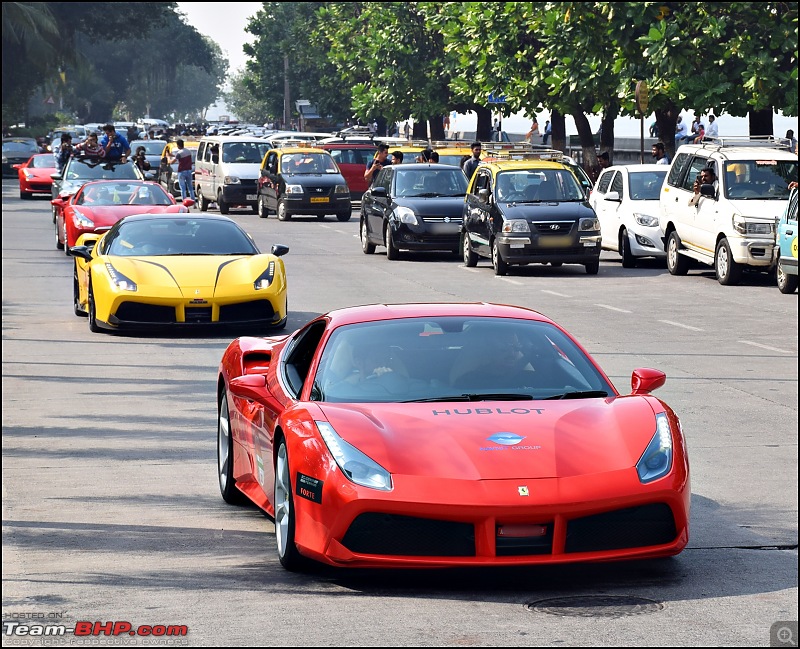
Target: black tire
{"x":366,"y":247}
{"x":227,"y":483}
{"x":677,"y":264}
{"x":254,"y":208}
{"x":93,"y":327}
{"x":283,"y":212}
{"x":556,"y":264}
{"x":628,"y":260}
{"x":469,"y":255}
{"x":729,"y":272}
{"x":25,"y":196}
{"x":224,"y":208}
{"x":498,"y":263}
{"x":592,"y":267}
{"x":786,"y":283}
{"x":263,"y":212}
{"x":343,"y":216}
{"x":76,"y":300}
{"x":285,"y":520}
{"x":392,"y":252}
{"x":59,"y":245}
{"x":202,"y":200}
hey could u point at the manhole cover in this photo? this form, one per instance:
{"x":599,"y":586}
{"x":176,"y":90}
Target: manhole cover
{"x":596,"y":606}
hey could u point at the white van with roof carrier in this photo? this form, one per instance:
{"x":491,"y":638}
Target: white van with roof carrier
{"x":728,"y":224}
{"x":226,"y":171}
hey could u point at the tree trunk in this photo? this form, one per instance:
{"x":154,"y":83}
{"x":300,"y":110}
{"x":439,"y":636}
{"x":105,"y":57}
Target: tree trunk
{"x":607,"y":129}
{"x":484,"y":132}
{"x":760,"y":122}
{"x":558,"y":130}
{"x":420,"y":130}
{"x":666,"y":120}
{"x":586,"y":136}
{"x":437,"y":128}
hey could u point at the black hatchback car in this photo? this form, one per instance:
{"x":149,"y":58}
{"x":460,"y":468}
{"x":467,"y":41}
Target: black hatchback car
{"x":529,"y":211}
{"x":302,"y":180}
{"x":413,"y":207}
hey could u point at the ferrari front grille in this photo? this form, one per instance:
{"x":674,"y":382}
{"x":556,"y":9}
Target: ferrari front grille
{"x":392,"y":534}
{"x":138,"y":312}
{"x":198,"y":315}
{"x":634,"y":527}
{"x":246,"y":311}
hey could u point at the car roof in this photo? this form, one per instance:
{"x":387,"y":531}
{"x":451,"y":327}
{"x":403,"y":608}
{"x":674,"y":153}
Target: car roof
{"x":378,"y":312}
{"x":521,"y":165}
{"x":194,"y":216}
{"x":424,"y":165}
{"x":650,"y":167}
{"x":300,"y":149}
{"x":742,"y":148}
{"x":347,"y":145}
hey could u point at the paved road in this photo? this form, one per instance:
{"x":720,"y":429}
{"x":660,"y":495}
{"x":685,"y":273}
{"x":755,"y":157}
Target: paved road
{"x":111,"y":509}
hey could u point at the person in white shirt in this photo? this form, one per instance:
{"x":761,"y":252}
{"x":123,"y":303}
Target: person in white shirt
{"x":712,"y":130}
{"x":680,"y":131}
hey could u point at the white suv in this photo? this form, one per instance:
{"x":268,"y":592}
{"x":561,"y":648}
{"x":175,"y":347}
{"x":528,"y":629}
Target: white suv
{"x":732,"y":225}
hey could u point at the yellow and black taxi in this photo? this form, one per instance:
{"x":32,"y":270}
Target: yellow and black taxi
{"x":519,"y":212}
{"x":299,"y":179}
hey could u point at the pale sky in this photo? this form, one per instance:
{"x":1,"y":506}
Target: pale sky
{"x":223,"y":23}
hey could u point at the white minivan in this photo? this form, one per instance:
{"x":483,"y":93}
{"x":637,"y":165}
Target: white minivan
{"x":729,"y":225}
{"x":226,"y":171}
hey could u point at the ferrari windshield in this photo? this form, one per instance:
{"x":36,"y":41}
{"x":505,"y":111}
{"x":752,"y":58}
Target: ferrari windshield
{"x":122,"y":193}
{"x":454,"y":359}
{"x":177,"y":236}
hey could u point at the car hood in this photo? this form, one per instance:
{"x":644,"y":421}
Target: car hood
{"x":766,"y":211}
{"x":110,"y":214}
{"x":452,"y":206}
{"x":246,"y":170}
{"x":499,"y":439}
{"x":546,"y":211}
{"x":197,"y":276}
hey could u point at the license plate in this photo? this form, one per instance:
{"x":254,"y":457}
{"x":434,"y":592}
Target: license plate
{"x":251,"y":197}
{"x":320,"y":199}
{"x":589,"y":244}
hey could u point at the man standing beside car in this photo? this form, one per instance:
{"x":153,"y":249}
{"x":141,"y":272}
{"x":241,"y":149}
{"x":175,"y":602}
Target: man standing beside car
{"x":472,"y":163}
{"x":377,"y":163}
{"x":184,"y":160}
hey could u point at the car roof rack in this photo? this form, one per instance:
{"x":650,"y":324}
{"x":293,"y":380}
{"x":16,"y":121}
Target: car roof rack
{"x":769,"y":141}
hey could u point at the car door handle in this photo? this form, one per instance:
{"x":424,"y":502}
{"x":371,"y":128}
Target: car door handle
{"x":789,"y":233}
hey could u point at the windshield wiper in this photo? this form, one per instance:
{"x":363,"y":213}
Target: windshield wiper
{"x":579,"y":394}
{"x":477,"y":396}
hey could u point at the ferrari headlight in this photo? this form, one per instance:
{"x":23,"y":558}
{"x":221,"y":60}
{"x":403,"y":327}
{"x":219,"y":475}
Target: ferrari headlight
{"x":265,"y":278}
{"x":354,"y":464}
{"x":588,"y":225}
{"x":341,"y":189}
{"x":516,"y":225}
{"x":232,"y":180}
{"x":743,"y":226}
{"x":123,"y":283}
{"x":81,"y":220}
{"x":28,"y":174}
{"x":294,"y":189}
{"x":646,"y":220}
{"x":656,"y":461}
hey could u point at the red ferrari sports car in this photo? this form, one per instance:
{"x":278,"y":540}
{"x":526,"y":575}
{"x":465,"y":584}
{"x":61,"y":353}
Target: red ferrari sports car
{"x":435,"y":435}
{"x":98,"y":205}
{"x":34,"y":175}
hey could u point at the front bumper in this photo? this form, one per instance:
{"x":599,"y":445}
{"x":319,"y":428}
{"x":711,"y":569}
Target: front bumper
{"x":244,"y":193}
{"x":333,"y":204}
{"x":531,"y":248}
{"x":753,"y":251}
{"x":646,"y":241}
{"x":430,"y":235}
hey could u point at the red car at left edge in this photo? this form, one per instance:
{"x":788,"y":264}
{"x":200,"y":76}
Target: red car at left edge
{"x":34,"y":175}
{"x":98,"y":205}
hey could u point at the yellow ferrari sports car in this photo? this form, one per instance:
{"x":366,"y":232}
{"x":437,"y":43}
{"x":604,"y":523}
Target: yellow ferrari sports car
{"x":177,"y":270}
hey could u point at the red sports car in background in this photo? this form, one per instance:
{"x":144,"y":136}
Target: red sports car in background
{"x":98,"y":205}
{"x":437,"y":435}
{"x":34,"y":175}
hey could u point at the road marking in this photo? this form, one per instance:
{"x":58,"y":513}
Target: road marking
{"x":554,"y":293}
{"x":469,"y":270}
{"x":613,"y":308}
{"x":772,"y":349}
{"x":678,"y":324}
{"x":511,"y":281}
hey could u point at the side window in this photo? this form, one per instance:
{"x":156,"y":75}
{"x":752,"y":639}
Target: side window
{"x":272,"y":162}
{"x":200,"y":151}
{"x":605,"y":181}
{"x":298,"y":360}
{"x":677,"y":170}
{"x":697,"y":165}
{"x":616,"y":184}
{"x":791,"y":213}
{"x":483,"y":181}
{"x":385,"y":179}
